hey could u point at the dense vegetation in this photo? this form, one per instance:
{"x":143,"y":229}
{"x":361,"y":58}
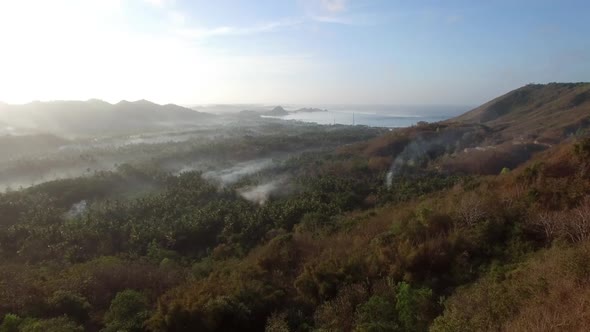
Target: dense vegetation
{"x":392,"y":231}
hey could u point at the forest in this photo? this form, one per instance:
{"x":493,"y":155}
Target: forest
{"x":263,"y":225}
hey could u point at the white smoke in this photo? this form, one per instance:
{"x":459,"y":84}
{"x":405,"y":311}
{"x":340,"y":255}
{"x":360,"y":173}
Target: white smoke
{"x":419,"y":149}
{"x":233,"y":174}
{"x":77,"y":209}
{"x":260,"y":193}
{"x":416,"y":149}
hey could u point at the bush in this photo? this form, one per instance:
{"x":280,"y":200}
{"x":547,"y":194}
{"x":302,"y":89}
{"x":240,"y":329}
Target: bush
{"x":128,"y":311}
{"x":277,"y":323}
{"x":339,"y":314}
{"x":414,"y":307}
{"x":377,"y":315}
{"x":60,"y":324}
{"x":72,"y":304}
{"x":10,"y":323}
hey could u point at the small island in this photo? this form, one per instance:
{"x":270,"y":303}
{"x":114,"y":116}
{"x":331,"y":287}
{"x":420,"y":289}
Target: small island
{"x":280,"y":111}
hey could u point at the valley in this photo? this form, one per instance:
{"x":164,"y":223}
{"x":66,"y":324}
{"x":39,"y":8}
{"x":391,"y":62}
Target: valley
{"x":474,"y":223}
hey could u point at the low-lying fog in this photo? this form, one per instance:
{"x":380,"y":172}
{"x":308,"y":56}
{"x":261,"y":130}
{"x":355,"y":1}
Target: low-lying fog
{"x":245,"y":154}
{"x":243,"y":151}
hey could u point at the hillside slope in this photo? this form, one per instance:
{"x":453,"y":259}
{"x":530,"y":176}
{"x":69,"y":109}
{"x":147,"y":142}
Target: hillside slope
{"x":97,"y":116}
{"x":394,"y":233}
{"x":502,"y":133}
{"x":544,"y":111}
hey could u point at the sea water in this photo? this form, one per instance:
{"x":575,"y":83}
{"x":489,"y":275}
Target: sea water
{"x":377,"y":116}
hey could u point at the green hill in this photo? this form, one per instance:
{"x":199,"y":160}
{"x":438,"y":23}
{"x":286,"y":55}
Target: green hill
{"x":97,"y":117}
{"x":472,"y":224}
{"x":545,"y":111}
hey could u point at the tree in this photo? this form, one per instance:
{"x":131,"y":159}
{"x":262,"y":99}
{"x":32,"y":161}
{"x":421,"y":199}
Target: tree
{"x":376,"y":315}
{"x":277,"y":323}
{"x":127,"y":313}
{"x":10,"y":323}
{"x":413,"y":307}
{"x":71,"y":304}
{"x":59,"y":324}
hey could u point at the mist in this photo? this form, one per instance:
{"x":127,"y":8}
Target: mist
{"x":261,"y":193}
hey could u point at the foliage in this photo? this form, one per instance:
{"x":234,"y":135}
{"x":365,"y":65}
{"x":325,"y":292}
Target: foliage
{"x":127,"y":312}
{"x":10,"y":323}
{"x":377,"y":315}
{"x":413,"y":307}
{"x":59,"y":324}
{"x":334,"y":249}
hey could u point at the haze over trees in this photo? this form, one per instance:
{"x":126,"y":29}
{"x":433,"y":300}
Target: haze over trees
{"x":476,"y":223}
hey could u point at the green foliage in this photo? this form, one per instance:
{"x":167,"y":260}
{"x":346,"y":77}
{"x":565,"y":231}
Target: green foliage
{"x":73,"y":305}
{"x":582,"y":149}
{"x":532,"y":172}
{"x":405,"y":188}
{"x":128,"y":312}
{"x":414,"y":307}
{"x":10,"y":323}
{"x":378,"y":314}
{"x":315,"y":256}
{"x":277,"y":323}
{"x":226,"y":314}
{"x":60,"y":324}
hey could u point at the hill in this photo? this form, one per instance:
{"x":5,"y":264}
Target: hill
{"x":536,"y":111}
{"x":502,"y":133}
{"x":277,"y":111}
{"x":98,"y":117}
{"x":451,"y":226}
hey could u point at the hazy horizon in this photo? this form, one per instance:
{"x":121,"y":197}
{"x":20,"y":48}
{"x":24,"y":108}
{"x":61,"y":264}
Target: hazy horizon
{"x":399,"y":110}
{"x":289,"y":52}
{"x":254,"y":104}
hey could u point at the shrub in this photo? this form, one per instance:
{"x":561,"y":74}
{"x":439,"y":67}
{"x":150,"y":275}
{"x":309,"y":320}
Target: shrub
{"x":338,"y":314}
{"x":277,"y":323}
{"x":378,"y":314}
{"x":582,"y":149}
{"x":414,"y":307}
{"x":128,"y":311}
{"x":10,"y":323}
{"x":67,"y":303}
{"x":60,"y":324}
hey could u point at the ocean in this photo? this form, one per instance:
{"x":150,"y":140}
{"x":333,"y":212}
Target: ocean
{"x":376,"y":115}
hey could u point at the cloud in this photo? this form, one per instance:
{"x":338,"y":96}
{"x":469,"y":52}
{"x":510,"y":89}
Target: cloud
{"x":333,"y":19}
{"x":201,"y":33}
{"x":159,"y":3}
{"x":334,"y":6}
{"x":358,"y":19}
{"x":335,"y":12}
{"x":176,"y":17}
{"x":81,"y":63}
{"x":452,"y":19}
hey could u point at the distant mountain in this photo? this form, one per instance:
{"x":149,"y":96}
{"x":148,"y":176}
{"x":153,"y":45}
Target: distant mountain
{"x":545,"y":111}
{"x":98,"y":117}
{"x":280,"y":111}
{"x":277,"y":111}
{"x":309,"y":110}
{"x":228,"y":108}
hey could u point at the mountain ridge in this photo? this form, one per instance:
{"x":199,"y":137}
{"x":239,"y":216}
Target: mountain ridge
{"x":97,"y":117}
{"x":545,"y":111}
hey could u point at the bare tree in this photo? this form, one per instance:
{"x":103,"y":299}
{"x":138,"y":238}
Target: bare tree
{"x":471,"y":209}
{"x":573,"y":224}
{"x":277,"y":323}
{"x":549,"y":223}
{"x":578,"y":225}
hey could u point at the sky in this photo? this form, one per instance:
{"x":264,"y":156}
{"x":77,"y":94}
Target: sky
{"x":288,"y":51}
